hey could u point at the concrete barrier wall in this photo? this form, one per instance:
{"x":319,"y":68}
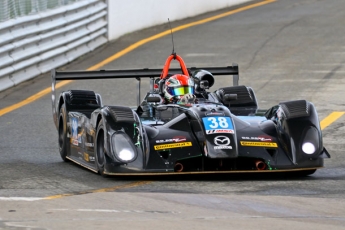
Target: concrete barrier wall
{"x":126,"y":16}
{"x":32,"y":45}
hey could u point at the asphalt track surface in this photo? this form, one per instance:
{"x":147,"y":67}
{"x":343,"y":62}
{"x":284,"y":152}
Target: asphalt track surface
{"x":285,"y":50}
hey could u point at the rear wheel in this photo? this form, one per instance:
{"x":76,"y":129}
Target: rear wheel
{"x":99,"y":149}
{"x":63,"y":133}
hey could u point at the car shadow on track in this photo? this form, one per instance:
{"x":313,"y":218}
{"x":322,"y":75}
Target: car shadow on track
{"x":218,"y":177}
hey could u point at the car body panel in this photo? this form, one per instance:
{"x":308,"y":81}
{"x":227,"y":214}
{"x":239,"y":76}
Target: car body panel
{"x":211,"y":136}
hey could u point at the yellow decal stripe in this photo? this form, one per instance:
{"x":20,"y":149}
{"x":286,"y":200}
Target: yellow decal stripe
{"x":175,"y":145}
{"x":259,"y":144}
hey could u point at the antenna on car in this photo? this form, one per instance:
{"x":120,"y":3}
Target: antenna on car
{"x":172,"y":39}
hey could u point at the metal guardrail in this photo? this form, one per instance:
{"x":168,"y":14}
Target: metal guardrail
{"x":10,"y":9}
{"x":35,"y":44}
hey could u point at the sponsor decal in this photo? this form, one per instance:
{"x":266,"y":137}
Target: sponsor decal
{"x":214,"y":114}
{"x":218,"y":125}
{"x":223,"y":147}
{"x":222,"y":142}
{"x":91,"y":158}
{"x":259,"y":144}
{"x":74,"y":121}
{"x":174,"y":139}
{"x":259,"y":138}
{"x":175,"y":145}
{"x":215,"y":131}
{"x":89,"y":144}
{"x":86,"y":157}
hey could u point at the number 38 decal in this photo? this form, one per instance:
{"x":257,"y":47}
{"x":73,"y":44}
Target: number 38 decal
{"x":218,"y":125}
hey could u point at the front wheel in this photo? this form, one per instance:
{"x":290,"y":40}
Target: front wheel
{"x":99,"y":149}
{"x":62,"y":132}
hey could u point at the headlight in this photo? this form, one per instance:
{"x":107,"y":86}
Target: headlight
{"x":126,"y":155}
{"x":123,"y":147}
{"x":308,"y":148}
{"x":311,"y":141}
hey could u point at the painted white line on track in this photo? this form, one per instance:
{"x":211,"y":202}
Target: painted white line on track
{"x":324,"y":71}
{"x":203,"y":55}
{"x":97,"y":210}
{"x":21,"y":198}
{"x":116,"y":211}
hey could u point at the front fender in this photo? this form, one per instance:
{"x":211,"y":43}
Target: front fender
{"x":122,"y":120}
{"x":298,"y":125}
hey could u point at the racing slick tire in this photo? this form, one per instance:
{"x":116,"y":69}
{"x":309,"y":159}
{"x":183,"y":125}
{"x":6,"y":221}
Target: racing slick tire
{"x":62,"y":133}
{"x":100,"y":158}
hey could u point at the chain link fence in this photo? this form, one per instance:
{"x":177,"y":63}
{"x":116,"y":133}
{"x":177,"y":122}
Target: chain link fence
{"x":10,"y":9}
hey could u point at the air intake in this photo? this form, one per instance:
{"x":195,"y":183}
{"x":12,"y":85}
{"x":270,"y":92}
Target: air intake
{"x":82,"y":97}
{"x":243,"y":94}
{"x":121,"y":113}
{"x":295,"y":109}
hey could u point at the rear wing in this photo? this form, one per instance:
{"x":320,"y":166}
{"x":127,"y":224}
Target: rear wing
{"x":132,"y":73}
{"x":138,"y":73}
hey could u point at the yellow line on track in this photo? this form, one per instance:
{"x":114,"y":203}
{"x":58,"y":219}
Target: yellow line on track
{"x":127,"y":50}
{"x":182,"y":27}
{"x":31,"y":99}
{"x":330,"y":119}
{"x":111,"y":189}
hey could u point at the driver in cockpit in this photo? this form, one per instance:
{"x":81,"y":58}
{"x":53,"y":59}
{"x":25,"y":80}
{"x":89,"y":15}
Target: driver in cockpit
{"x":182,"y":89}
{"x":179,"y":89}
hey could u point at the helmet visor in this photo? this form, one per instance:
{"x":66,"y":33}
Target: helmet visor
{"x":179,"y":91}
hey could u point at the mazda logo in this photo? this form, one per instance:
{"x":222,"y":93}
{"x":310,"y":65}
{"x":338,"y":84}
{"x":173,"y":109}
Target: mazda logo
{"x":222,"y":140}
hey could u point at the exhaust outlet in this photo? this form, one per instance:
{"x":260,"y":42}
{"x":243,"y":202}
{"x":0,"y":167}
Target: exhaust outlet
{"x":260,"y":165}
{"x":178,"y":167}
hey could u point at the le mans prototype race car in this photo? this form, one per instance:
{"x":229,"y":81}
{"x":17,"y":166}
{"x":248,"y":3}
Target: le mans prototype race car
{"x":224,"y":132}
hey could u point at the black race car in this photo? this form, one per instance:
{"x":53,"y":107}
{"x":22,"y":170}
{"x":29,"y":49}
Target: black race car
{"x":224,"y":132}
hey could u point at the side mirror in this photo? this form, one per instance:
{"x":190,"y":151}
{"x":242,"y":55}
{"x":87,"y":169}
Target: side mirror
{"x":203,"y":80}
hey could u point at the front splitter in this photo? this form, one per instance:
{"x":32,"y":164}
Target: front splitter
{"x":211,"y":172}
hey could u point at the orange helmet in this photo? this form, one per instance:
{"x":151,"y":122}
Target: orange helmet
{"x":177,"y":86}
